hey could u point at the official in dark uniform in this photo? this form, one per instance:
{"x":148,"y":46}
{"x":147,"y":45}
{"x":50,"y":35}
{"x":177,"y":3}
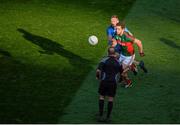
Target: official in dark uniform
{"x":107,"y":72}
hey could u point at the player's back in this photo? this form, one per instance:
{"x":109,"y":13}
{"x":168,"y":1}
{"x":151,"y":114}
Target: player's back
{"x":110,"y":69}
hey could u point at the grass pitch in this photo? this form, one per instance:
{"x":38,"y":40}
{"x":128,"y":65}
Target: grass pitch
{"x":154,"y":97}
{"x":45,"y":55}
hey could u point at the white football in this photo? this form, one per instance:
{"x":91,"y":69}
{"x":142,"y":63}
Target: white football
{"x":93,"y":40}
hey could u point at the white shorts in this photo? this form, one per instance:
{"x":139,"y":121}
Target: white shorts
{"x":127,"y":60}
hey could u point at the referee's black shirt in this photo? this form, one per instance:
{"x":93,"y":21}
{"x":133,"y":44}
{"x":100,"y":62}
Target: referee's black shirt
{"x":110,"y":68}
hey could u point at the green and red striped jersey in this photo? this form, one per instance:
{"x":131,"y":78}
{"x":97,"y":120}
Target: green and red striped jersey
{"x":126,"y":42}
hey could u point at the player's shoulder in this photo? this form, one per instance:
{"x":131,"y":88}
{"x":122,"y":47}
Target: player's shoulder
{"x":115,"y":61}
{"x":128,"y":36}
{"x":104,"y":59}
{"x":110,"y":28}
{"x":126,"y":30}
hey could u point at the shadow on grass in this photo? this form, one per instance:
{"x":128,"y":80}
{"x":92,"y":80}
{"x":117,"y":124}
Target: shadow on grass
{"x":50,"y":47}
{"x":34,"y":93}
{"x":5,"y":53}
{"x":170,"y":43}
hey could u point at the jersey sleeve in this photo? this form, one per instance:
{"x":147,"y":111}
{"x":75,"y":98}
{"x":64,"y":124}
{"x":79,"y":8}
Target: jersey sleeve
{"x":129,"y":38}
{"x":100,"y":66}
{"x":109,"y":32}
{"x":126,"y":30}
{"x":102,"y":63}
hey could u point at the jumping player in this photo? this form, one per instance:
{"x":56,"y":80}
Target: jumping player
{"x":127,"y":54}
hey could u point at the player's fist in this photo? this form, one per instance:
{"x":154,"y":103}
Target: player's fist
{"x":141,"y":54}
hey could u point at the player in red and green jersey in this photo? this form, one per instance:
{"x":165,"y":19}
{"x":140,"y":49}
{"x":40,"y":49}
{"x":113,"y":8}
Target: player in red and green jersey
{"x":127,"y":54}
{"x":111,"y":32}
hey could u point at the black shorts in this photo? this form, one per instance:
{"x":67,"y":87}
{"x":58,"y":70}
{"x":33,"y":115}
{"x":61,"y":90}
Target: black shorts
{"x":107,"y":88}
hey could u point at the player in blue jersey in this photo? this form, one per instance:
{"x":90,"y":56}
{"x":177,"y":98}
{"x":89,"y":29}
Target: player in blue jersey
{"x":111,"y":29}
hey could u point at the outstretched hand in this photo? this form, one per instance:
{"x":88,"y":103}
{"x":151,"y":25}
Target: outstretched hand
{"x":142,"y":54}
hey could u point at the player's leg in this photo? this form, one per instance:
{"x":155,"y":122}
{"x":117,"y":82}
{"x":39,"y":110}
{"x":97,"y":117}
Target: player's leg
{"x":127,"y":62}
{"x":101,"y":105}
{"x":125,"y":77}
{"x":111,"y":94}
{"x":109,"y":108}
{"x":102,"y":93}
{"x":141,"y":65}
{"x":134,"y":68}
{"x":136,"y":62}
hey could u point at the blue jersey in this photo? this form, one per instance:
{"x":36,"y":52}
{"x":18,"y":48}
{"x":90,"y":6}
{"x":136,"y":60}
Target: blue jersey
{"x":111,"y":31}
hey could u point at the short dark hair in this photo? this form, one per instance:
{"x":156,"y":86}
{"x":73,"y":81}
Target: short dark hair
{"x":122,"y":24}
{"x":111,"y":50}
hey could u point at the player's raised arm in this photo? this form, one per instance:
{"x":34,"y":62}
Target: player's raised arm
{"x":140,"y":47}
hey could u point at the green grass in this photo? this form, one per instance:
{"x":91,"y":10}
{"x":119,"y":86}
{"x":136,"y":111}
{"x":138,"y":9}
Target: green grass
{"x":45,"y":56}
{"x":45,"y":61}
{"x":154,"y":97}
